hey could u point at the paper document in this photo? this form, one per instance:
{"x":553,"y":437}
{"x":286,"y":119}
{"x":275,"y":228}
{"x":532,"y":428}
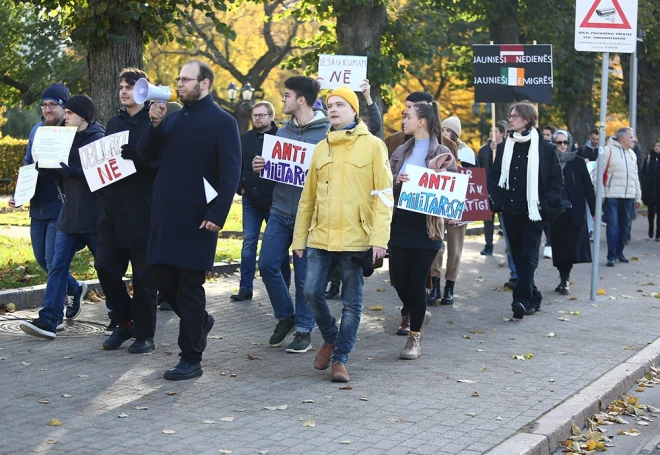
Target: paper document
{"x":26,"y":184}
{"x":209,"y":191}
{"x":51,"y":145}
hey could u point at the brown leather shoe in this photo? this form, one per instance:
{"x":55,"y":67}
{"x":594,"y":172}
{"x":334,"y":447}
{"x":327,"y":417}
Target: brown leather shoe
{"x":324,"y":356}
{"x":339,"y":373}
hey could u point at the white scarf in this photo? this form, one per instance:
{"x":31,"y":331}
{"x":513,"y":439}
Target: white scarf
{"x":532,"y":169}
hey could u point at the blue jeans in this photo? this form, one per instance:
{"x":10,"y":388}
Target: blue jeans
{"x":274,"y":249}
{"x":42,"y":236}
{"x":253,"y":216}
{"x":65,"y":248}
{"x":319,"y":264}
{"x":618,"y":213}
{"x":509,"y":258}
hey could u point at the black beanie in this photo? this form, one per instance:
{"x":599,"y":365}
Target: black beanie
{"x":83,"y":106}
{"x":416,"y":97}
{"x":56,"y":92}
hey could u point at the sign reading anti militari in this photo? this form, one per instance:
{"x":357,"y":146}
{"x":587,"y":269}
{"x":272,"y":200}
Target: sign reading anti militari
{"x":512,"y":72}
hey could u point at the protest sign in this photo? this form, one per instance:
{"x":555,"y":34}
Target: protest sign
{"x":287,"y":161}
{"x":102,"y":162}
{"x":26,"y":184}
{"x":506,"y":73}
{"x":338,"y":70}
{"x":434,"y":193}
{"x":592,"y":167}
{"x":477,"y":206}
{"x":51,"y":145}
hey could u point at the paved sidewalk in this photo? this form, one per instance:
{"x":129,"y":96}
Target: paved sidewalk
{"x":417,"y":407}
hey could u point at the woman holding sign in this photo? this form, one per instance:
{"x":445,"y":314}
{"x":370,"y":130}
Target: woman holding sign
{"x":416,"y":238}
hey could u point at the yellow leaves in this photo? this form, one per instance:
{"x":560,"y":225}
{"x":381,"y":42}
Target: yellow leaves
{"x":54,"y":423}
{"x":309,"y":423}
{"x":601,"y":291}
{"x":595,"y":445}
{"x":630,"y":432}
{"x":527,"y":356}
{"x":376,"y":308}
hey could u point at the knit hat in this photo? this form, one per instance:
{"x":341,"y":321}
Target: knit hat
{"x":453,"y":123}
{"x":83,"y":106}
{"x":416,"y":97}
{"x":349,"y":95}
{"x":56,"y":92}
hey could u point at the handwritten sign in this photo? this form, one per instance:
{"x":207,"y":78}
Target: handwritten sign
{"x":477,"y":206}
{"x":434,"y":193}
{"x":102,"y":162}
{"x":287,"y":161}
{"x":52,"y":144}
{"x":26,"y":184}
{"x":338,"y":70}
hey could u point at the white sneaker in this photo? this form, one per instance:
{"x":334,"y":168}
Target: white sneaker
{"x":547,"y":252}
{"x":412,"y":349}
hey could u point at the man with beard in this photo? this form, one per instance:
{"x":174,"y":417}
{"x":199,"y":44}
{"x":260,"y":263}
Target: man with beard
{"x":305,"y":125}
{"x":200,"y":163}
{"x":46,"y":203}
{"x":124,"y":211}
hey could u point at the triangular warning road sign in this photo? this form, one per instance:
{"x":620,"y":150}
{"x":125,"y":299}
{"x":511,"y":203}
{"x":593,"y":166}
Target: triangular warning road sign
{"x":586,"y":22}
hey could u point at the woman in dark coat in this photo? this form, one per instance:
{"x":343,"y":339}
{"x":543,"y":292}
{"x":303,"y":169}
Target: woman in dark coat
{"x":570,"y":233}
{"x":651,"y":188}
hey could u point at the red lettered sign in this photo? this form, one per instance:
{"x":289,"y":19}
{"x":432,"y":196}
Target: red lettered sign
{"x":477,"y":207}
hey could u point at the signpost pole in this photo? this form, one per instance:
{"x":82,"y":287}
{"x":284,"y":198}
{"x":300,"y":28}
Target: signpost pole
{"x":633,"y":91}
{"x":599,"y":174}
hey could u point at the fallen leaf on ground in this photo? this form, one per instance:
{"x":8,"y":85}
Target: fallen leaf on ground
{"x":629,"y":348}
{"x":123,"y":415}
{"x":26,"y":363}
{"x":254,"y":357}
{"x":528,"y":356}
{"x":551,"y":335}
{"x":43,"y":402}
{"x":281,"y":407}
{"x":139,"y":408}
{"x":224,"y":451}
{"x":475,"y":394}
{"x":66,"y":395}
{"x":308,"y":401}
{"x":227,"y":419}
{"x":54,"y":423}
{"x":601,"y":291}
{"x":498,"y":418}
{"x":309,"y":423}
{"x":380,"y":290}
{"x":51,"y":441}
{"x":208,"y":422}
{"x":344,"y":442}
{"x":564,"y":319}
{"x":376,"y":308}
{"x":363,"y":398}
{"x":83,"y":375}
{"x":471,"y":414}
{"x":631,"y":432}
{"x":518,"y":357}
{"x":467,"y":337}
{"x":172,"y":393}
{"x":169,"y":431}
{"x":466,"y":381}
{"x":346,"y":387}
{"x":480,"y":350}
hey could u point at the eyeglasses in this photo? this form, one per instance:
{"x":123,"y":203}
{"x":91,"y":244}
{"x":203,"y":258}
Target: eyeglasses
{"x":561,"y":142}
{"x":260,"y":116}
{"x":49,"y":106}
{"x":514,"y":116}
{"x":185,"y":80}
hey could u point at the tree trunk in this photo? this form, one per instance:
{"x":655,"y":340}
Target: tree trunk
{"x":106,"y":61}
{"x":360,"y":29}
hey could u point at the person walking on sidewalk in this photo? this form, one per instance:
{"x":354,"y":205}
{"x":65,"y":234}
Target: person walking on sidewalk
{"x":46,"y":203}
{"x":124,"y":212}
{"x":416,"y":238}
{"x":651,"y":189}
{"x":343,"y":218}
{"x":623,"y":193}
{"x":525,"y":183}
{"x":306,"y":125}
{"x":257,"y":197}
{"x":451,"y":129}
{"x":198,"y":147}
{"x":569,"y":230}
{"x":486,"y":156}
{"x":76,"y":224}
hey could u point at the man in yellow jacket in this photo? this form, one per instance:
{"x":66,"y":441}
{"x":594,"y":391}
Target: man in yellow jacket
{"x":343,"y":218}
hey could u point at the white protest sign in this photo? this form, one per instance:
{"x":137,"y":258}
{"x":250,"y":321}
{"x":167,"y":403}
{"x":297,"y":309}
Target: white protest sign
{"x":51,"y":145}
{"x":26,"y":184}
{"x":287,"y":161}
{"x":434,"y":193}
{"x":102,"y":162}
{"x":606,"y":25}
{"x":338,"y":70}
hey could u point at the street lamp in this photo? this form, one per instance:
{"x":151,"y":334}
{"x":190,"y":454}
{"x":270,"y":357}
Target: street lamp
{"x":247,"y":91}
{"x":232,"y":92}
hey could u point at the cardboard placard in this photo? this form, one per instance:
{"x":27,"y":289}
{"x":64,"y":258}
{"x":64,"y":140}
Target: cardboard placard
{"x":338,"y":70}
{"x":477,"y":205}
{"x":102,"y":162}
{"x":287,"y":161}
{"x":26,"y":184}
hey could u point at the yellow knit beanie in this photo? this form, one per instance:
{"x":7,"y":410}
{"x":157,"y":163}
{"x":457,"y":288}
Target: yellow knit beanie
{"x":347,"y":94}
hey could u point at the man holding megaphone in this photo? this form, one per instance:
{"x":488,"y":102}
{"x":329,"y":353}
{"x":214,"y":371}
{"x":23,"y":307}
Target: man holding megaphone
{"x":200,"y":165}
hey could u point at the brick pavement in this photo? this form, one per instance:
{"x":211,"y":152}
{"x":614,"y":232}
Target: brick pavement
{"x":415,"y":407}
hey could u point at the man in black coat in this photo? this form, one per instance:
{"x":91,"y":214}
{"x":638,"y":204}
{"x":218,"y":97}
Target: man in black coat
{"x":257,"y":197}
{"x":200,"y":161}
{"x":124,"y":211}
{"x":486,"y":157}
{"x":525,"y":184}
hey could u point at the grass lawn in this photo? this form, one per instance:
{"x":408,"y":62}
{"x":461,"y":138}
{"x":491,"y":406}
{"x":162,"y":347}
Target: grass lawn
{"x":18,"y":267}
{"x":14,"y":217}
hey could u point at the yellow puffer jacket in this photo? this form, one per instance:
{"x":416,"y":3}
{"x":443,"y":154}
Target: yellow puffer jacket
{"x":337,"y":211}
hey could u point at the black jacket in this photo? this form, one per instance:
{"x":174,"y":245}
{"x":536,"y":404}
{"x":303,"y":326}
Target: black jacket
{"x":589,"y":152}
{"x":551,"y":181}
{"x":259,"y":191}
{"x":78,"y":214}
{"x":200,"y":141}
{"x":651,"y":179}
{"x":578,"y":190}
{"x":124,"y":208}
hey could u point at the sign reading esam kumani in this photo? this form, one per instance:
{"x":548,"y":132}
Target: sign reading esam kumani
{"x":287,"y":161}
{"x":434,"y":193}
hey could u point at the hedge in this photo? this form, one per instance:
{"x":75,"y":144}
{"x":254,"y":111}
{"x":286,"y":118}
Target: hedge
{"x":12,"y":152}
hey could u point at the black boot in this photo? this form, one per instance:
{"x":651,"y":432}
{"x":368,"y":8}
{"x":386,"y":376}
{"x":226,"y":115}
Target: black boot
{"x":651,"y":229}
{"x":434,"y":293}
{"x":562,"y":287}
{"x":448,"y":297}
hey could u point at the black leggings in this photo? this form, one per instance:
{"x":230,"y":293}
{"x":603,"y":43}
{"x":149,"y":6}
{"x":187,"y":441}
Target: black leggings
{"x":654,"y":211}
{"x":565,"y":268}
{"x":409,"y":269}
